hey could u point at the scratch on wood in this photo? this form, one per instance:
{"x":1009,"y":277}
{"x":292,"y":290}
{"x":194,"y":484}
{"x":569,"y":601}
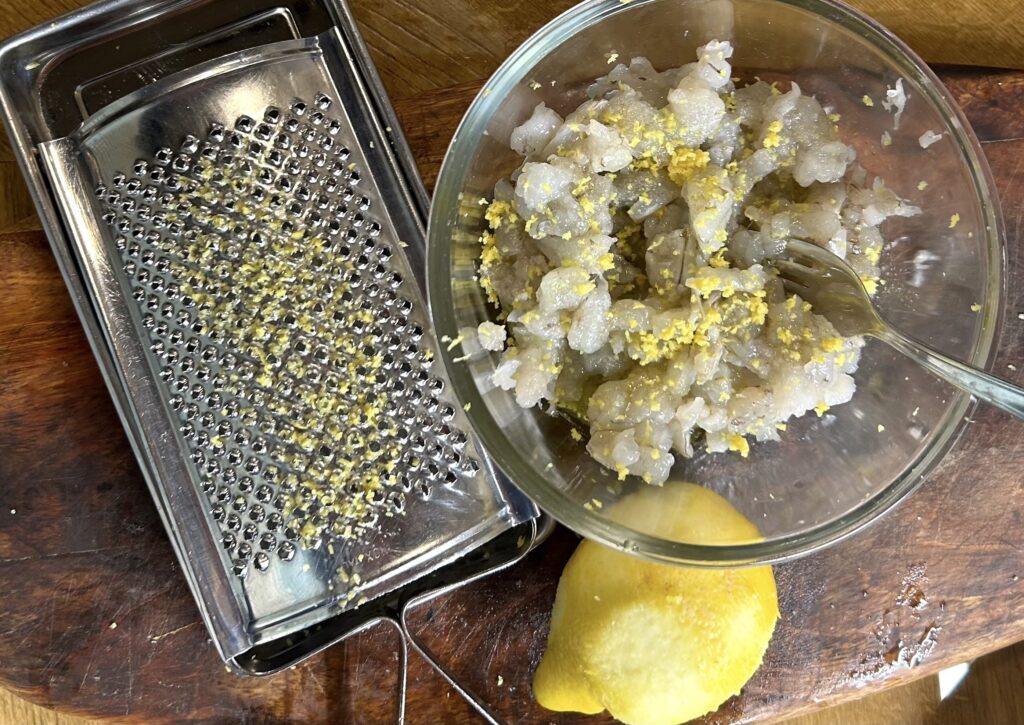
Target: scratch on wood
{"x":88,"y":666}
{"x":157,"y":637}
{"x":316,"y":679}
{"x":131,"y":672}
{"x":62,"y":554}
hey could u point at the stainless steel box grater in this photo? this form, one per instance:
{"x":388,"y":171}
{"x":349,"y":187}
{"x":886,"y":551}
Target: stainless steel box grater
{"x":241,"y":227}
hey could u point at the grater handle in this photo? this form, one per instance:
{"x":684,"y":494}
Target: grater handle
{"x":489,"y":717}
{"x":540,"y":528}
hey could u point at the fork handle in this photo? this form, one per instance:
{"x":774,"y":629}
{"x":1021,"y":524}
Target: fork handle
{"x":978,"y":383}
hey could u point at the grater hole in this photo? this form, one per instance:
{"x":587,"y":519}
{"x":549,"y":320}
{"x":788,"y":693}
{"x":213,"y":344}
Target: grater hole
{"x":286,"y":551}
{"x":244,"y":124}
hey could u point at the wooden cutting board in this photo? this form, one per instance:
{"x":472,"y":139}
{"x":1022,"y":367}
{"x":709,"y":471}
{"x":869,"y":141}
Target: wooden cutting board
{"x":96,"y":619}
{"x":82,"y":550}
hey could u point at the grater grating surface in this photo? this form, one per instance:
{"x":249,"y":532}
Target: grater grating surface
{"x":242,"y":233}
{"x":290,"y":347}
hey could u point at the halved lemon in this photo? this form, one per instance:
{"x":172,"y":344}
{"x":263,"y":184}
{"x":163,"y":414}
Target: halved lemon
{"x":656,"y":644}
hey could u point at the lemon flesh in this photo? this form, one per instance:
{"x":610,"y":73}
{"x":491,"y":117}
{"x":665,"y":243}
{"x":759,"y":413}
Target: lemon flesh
{"x":656,"y":644}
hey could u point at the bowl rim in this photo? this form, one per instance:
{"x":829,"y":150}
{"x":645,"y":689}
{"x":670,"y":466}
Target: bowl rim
{"x":562,"y":506}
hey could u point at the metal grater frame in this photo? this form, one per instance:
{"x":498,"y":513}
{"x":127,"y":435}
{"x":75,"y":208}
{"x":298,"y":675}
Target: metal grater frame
{"x":132,"y":122}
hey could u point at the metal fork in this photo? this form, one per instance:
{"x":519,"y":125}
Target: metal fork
{"x":836,"y":291}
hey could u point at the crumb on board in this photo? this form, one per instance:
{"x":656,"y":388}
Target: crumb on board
{"x":867,"y":101}
{"x":467,"y":407}
{"x":922,"y":185}
{"x":501,"y":680}
{"x":113,"y":625}
{"x":928,"y":138}
{"x":535,"y":86}
{"x":954,"y":220}
{"x":611,"y":57}
{"x":881,"y":428}
{"x":576,"y":435}
{"x":975,"y":307}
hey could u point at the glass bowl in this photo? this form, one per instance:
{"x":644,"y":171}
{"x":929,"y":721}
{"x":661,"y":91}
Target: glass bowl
{"x":829,"y":475}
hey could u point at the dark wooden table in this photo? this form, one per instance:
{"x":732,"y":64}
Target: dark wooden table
{"x":96,"y":619}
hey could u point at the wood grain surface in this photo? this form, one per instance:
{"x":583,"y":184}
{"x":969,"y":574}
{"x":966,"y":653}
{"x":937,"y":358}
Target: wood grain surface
{"x":993,"y":692}
{"x":95,"y":618}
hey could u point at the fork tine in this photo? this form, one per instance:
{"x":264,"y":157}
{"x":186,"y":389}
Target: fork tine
{"x":795,"y":288}
{"x":795,"y":272}
{"x":799,"y":255}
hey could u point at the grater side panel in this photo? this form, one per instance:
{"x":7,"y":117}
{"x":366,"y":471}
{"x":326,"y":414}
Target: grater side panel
{"x":188,"y":527}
